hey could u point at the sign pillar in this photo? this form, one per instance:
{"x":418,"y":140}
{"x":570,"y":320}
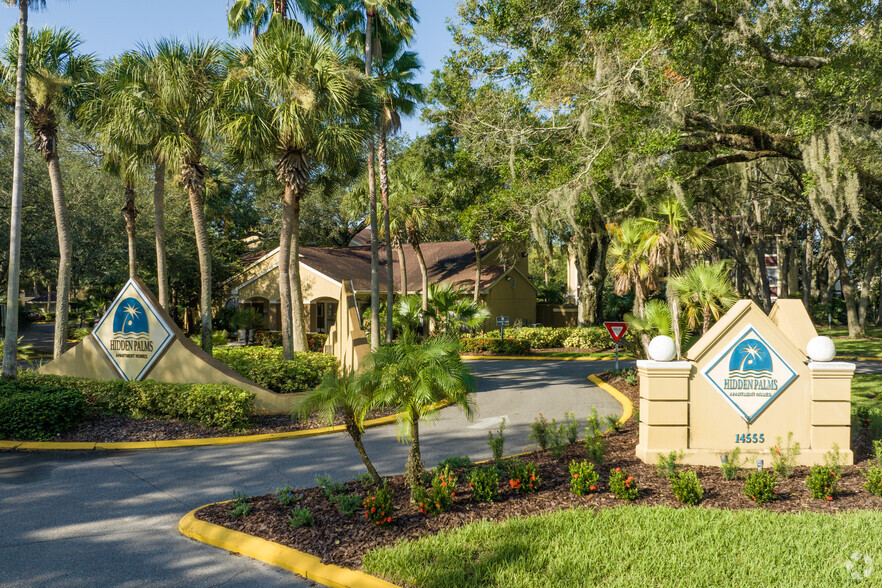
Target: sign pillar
{"x":617,"y":331}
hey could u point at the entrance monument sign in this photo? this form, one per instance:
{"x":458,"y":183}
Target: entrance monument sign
{"x":749,"y":381}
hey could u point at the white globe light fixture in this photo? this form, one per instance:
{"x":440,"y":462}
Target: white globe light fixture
{"x":821,"y":349}
{"x":662,"y":348}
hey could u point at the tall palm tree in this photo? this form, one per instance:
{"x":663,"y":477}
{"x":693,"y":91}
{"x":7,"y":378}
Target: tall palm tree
{"x":398,"y":95}
{"x":10,"y":358}
{"x":706,"y":292}
{"x":347,"y":18}
{"x":416,"y":377}
{"x":186,"y":78}
{"x":452,"y":308}
{"x":58,"y":79}
{"x":249,"y":15}
{"x":294,"y":101}
{"x":340,"y":393}
{"x":630,"y":247}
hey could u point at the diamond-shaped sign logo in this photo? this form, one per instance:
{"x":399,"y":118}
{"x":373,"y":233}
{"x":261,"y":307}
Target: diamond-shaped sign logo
{"x":749,"y":374}
{"x":132,"y":334}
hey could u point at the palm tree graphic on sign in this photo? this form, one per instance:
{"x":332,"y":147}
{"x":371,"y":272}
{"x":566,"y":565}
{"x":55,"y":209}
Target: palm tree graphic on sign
{"x":130,"y":320}
{"x":751,"y":358}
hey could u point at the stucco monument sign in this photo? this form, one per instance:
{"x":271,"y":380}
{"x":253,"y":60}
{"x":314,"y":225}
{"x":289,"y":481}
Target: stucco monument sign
{"x":137,"y":340}
{"x":751,"y":380}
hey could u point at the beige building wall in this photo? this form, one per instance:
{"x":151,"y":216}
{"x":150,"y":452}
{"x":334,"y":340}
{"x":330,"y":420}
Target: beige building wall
{"x":514,"y":298}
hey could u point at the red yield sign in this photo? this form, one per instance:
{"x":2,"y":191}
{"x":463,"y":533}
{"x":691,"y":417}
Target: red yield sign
{"x":616,"y":330}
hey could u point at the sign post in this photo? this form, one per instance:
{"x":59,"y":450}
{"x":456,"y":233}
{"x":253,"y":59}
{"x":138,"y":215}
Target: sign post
{"x":502,"y":322}
{"x":617,"y":331}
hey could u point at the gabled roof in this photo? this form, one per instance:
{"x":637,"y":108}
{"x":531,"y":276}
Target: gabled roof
{"x":451,"y":262}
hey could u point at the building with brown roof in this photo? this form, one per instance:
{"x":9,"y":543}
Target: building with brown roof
{"x":505,"y":287}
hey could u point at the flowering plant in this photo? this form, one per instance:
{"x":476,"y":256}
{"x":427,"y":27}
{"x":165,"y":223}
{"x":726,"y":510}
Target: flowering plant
{"x":760,"y":486}
{"x":378,"y":507}
{"x":484,"y":483}
{"x":523,"y":477}
{"x":822,"y":482}
{"x":583,"y":478}
{"x":622,"y":485}
{"x":438,"y":498}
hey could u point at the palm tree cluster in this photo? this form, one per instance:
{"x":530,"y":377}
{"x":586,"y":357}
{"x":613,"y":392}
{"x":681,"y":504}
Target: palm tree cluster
{"x":291,"y":105}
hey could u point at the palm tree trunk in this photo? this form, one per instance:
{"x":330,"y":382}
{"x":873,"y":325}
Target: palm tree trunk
{"x":402,"y":267}
{"x":159,"y":229}
{"x":201,"y":230}
{"x":129,"y":214}
{"x":10,"y":348}
{"x":384,"y":194}
{"x":477,"y":246}
{"x":285,"y":273}
{"x":414,"y":461}
{"x":355,"y":433}
{"x":298,"y":324}
{"x":424,"y":274}
{"x":372,"y":193}
{"x":62,"y":294}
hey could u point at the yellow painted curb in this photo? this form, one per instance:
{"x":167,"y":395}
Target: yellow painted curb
{"x":308,"y":566}
{"x":534,"y":358}
{"x":200,"y":442}
{"x":627,"y":405}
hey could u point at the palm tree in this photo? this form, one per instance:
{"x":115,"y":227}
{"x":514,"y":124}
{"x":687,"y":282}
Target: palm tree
{"x":347,"y":18}
{"x":10,"y":363}
{"x":630,"y":247}
{"x":295,"y":102}
{"x":186,"y":79}
{"x":674,"y":238}
{"x":58,"y":78}
{"x":340,"y":393}
{"x":416,"y":377}
{"x":706,"y":293}
{"x":452,"y":309}
{"x":245,"y":15}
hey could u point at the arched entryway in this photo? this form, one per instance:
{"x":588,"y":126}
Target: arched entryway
{"x":322,"y":314}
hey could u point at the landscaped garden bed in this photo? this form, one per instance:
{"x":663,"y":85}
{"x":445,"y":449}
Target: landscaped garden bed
{"x":345,"y":539}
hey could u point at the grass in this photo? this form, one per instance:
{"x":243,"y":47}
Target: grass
{"x":611,"y":547}
{"x":871,"y":346}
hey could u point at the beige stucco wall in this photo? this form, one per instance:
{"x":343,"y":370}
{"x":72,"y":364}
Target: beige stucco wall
{"x":515,"y":299}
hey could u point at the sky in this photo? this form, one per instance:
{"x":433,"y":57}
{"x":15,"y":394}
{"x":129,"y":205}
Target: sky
{"x":128,"y":23}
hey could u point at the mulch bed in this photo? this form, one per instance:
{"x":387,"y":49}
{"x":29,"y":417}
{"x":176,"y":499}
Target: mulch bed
{"x":343,"y":540}
{"x":109,"y":428}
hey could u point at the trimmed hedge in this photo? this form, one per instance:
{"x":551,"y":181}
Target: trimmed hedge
{"x":589,"y":338}
{"x":35,"y":411}
{"x":265,"y":366}
{"x":212,"y":405}
{"x":554,"y":337}
{"x":494,"y":346}
{"x":315,"y":341}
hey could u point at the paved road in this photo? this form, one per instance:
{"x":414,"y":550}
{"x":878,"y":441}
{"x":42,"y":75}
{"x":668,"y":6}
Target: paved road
{"x":110,"y":518}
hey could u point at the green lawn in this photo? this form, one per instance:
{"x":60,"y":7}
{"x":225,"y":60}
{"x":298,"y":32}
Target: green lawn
{"x":864,"y":388}
{"x":643,"y":546}
{"x":871,"y":346}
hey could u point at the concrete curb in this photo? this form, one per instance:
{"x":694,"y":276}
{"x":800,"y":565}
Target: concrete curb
{"x":308,"y":566}
{"x":203,"y":441}
{"x":627,"y":405}
{"x":534,"y":358}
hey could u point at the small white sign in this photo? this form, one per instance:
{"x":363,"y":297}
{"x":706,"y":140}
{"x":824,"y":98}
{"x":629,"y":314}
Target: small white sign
{"x":749,"y":374}
{"x":132,"y":334}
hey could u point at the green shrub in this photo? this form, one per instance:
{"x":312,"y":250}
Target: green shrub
{"x":572,"y":427}
{"x":494,"y":346}
{"x":589,"y":338}
{"x":732,"y":466}
{"x":79,"y":333}
{"x":873,"y":474}
{"x":595,"y":442}
{"x":784,"y":456}
{"x":484,"y":483}
{"x":378,"y":507}
{"x":438,"y":498}
{"x":300,"y":517}
{"x":541,"y":337}
{"x":265,"y":366}
{"x":522,"y":477}
{"x":329,"y":488}
{"x":760,"y":486}
{"x":212,"y":405}
{"x":218,"y":338}
{"x":38,"y":411}
{"x":823,"y":482}
{"x":687,"y":488}
{"x":455,"y":462}
{"x":286,"y":496}
{"x":314,"y":341}
{"x":540,"y":434}
{"x":583,"y":478}
{"x":497,"y":443}
{"x":240,"y":506}
{"x":623,"y":486}
{"x":667,"y":464}
{"x":347,"y":504}
{"x":557,"y":438}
